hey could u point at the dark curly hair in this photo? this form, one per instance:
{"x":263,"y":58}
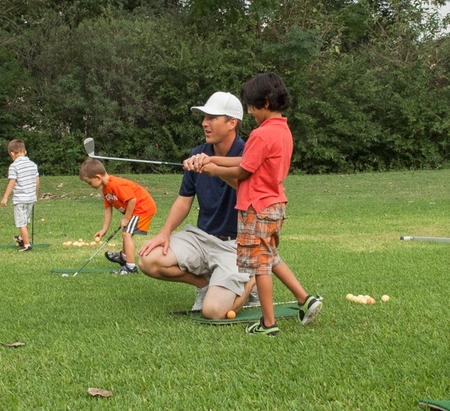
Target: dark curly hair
{"x":266,"y":88}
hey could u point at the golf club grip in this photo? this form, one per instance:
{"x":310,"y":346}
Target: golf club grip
{"x":113,"y":234}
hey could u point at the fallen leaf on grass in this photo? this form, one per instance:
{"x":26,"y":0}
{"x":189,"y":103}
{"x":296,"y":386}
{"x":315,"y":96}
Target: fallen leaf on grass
{"x":100,"y":392}
{"x":15,"y":345}
{"x":47,"y":196}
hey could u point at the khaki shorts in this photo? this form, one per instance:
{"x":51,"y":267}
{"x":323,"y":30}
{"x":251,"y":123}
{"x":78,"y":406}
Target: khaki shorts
{"x":258,"y":239}
{"x":201,"y":253}
{"x":22,"y":214}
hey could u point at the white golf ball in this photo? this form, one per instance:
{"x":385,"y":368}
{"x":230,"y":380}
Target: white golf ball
{"x":64,"y":275}
{"x":385,"y":298}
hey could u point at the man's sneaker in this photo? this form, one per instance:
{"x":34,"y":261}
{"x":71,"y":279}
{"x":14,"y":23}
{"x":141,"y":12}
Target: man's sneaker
{"x":259,"y":328}
{"x":18,"y":239}
{"x":310,"y":309}
{"x":201,"y":292}
{"x":26,"y":248}
{"x":253,"y":298}
{"x":125,"y":270}
{"x":115,"y":257}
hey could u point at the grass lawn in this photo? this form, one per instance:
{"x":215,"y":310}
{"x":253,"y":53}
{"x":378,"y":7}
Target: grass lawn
{"x":117,"y":333}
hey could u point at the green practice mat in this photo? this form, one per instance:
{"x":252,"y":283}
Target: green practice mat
{"x":248,"y":315}
{"x":84,"y":270}
{"x":436,"y":405}
{"x":15,"y":246}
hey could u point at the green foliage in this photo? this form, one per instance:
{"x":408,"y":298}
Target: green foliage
{"x":369,"y":79}
{"x":14,"y":91}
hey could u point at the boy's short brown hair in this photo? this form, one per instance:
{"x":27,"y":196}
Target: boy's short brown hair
{"x":16,"y":146}
{"x":91,"y":168}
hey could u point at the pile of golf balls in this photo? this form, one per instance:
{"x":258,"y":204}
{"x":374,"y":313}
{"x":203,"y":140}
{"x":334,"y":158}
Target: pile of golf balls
{"x":365,"y":299}
{"x":82,"y":243}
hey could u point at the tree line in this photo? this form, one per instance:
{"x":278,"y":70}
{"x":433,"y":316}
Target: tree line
{"x":369,"y":79}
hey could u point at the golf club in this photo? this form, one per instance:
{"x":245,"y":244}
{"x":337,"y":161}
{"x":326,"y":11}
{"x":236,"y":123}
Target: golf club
{"x":32,"y":225}
{"x":89,"y":146}
{"x":187,"y":312}
{"x":101,"y":246}
{"x":430,"y":239}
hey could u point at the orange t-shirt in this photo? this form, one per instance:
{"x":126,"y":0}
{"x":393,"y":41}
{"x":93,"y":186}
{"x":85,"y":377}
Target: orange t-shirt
{"x":119,"y":191}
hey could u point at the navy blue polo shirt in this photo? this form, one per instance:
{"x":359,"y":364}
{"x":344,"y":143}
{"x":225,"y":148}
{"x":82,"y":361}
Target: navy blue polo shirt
{"x":216,"y":199}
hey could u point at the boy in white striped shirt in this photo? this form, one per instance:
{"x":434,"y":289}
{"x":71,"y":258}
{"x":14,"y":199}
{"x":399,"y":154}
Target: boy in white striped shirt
{"x":24,"y":184}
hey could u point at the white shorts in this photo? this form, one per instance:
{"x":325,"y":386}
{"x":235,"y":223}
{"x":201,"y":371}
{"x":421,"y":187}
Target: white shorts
{"x":201,"y":253}
{"x":22,"y":214}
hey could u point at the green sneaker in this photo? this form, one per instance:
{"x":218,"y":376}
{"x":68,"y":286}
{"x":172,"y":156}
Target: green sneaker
{"x":308,"y":312}
{"x":259,"y":328}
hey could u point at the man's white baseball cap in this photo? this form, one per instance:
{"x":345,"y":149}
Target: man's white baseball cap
{"x":222,"y":104}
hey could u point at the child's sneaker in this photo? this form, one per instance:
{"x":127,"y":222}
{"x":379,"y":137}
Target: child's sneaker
{"x":259,"y":328}
{"x":18,"y":239}
{"x":26,"y":248}
{"x":125,"y":270}
{"x":115,"y":257}
{"x":310,"y":309}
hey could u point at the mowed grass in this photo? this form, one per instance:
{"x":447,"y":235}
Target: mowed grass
{"x":117,"y":333}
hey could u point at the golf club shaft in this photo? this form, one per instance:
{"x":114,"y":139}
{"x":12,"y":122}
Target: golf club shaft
{"x":166,"y":163}
{"x":89,"y":146}
{"x":32,"y":225}
{"x":430,"y":239}
{"x":101,"y":246}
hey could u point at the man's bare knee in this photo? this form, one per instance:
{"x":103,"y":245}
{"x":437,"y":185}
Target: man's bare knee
{"x":218,"y":301}
{"x":149,"y":265}
{"x":214,"y":311}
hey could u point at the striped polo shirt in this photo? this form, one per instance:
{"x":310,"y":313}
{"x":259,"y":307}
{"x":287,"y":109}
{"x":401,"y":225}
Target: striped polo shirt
{"x":24,"y":171}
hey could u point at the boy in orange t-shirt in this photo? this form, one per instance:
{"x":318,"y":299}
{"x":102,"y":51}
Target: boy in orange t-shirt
{"x":129,"y":198}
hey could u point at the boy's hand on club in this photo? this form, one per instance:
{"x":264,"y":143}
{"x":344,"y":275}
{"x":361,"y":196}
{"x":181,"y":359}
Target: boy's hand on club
{"x":195,"y":162}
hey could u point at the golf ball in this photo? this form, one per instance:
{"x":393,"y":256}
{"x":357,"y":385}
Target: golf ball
{"x":385,"y":298}
{"x":231,"y":314}
{"x":64,"y":275}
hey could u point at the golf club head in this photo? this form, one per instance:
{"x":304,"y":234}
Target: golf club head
{"x":89,"y":146}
